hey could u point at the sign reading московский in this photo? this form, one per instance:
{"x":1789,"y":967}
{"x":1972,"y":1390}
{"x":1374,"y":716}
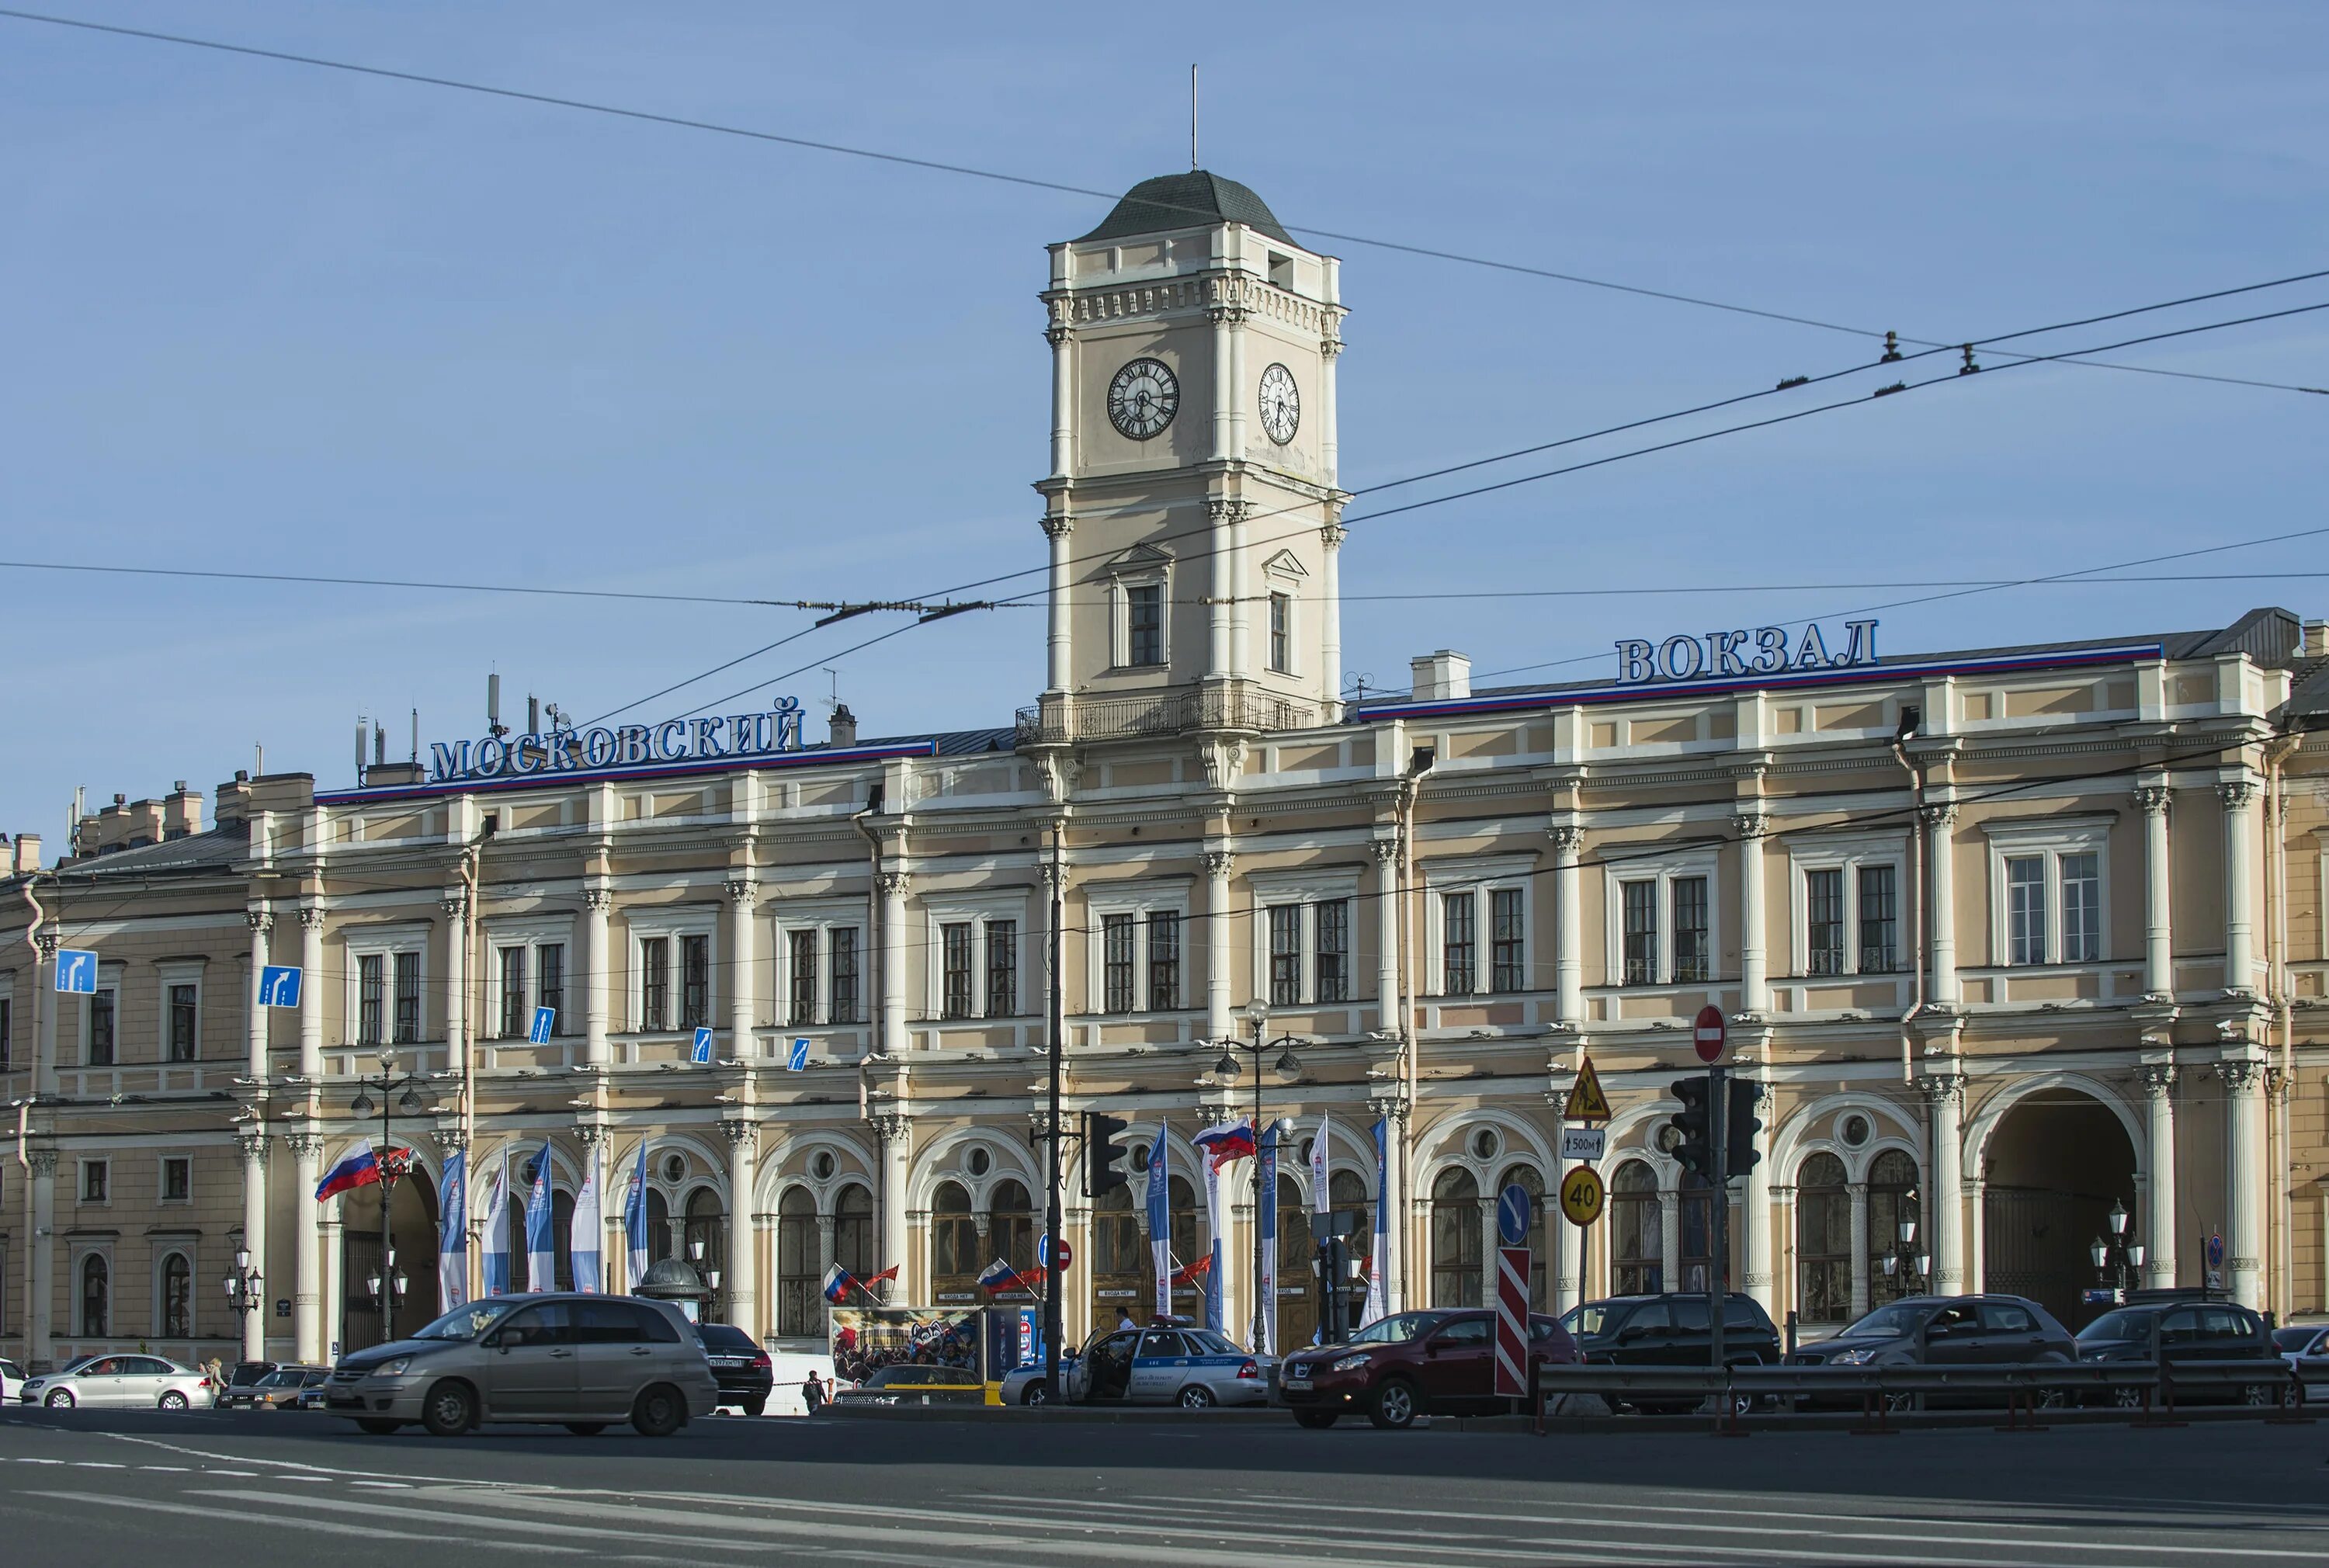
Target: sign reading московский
{"x":733,"y":734}
{"x":1761,"y":652}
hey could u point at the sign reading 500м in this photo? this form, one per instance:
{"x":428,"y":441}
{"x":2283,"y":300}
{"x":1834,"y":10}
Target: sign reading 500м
{"x":733,"y":734}
{"x":1719,"y":655}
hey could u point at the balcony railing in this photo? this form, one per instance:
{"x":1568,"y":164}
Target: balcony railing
{"x":1061,"y":722}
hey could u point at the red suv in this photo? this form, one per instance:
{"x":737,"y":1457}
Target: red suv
{"x":1412,"y":1364}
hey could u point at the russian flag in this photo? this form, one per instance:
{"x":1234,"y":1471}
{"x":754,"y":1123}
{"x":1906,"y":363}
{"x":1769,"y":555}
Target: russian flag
{"x":359,"y":1168}
{"x":1226,"y":1142}
{"x":999,"y":1276}
{"x":838,"y":1281}
{"x":1194,"y":1272}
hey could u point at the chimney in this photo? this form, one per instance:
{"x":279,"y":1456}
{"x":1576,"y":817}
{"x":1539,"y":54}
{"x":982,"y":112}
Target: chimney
{"x":234,"y":799}
{"x":182,"y":811}
{"x":24,"y":856}
{"x":844,"y":726}
{"x":144,"y":825}
{"x":1440,"y":675}
{"x":2315,"y":639}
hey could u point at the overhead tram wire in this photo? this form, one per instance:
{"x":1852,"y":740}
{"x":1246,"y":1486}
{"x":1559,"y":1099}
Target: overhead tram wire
{"x":682,"y":122}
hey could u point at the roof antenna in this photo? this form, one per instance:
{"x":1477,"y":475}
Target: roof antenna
{"x":1192,"y":117}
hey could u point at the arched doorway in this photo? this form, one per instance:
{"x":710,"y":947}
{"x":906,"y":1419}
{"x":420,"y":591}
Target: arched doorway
{"x":1822,"y":1241}
{"x":853,"y":1232}
{"x":1456,"y":1239}
{"x":955,"y":1262}
{"x":2054,"y":1164}
{"x":707,"y":1248}
{"x":798,"y":1277}
{"x":1180,"y":1200}
{"x":1637,"y":1249}
{"x":1297,"y":1303}
{"x":1892,"y":1207}
{"x":1121,"y":1280}
{"x":1347,"y":1193}
{"x":1011,"y":1234}
{"x":412,"y":1232}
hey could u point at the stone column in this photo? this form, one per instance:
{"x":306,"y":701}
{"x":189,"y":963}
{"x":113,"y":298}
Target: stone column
{"x":1063,"y":397}
{"x":743,"y":974}
{"x":1059,"y":636}
{"x":2159,"y":1227}
{"x":897,"y":1135}
{"x":1243,"y":587}
{"x":1755,"y":1211}
{"x":597,"y":970}
{"x":47,"y":1001}
{"x":1568,"y":922}
{"x":2239,"y":888}
{"x":1330,"y":611}
{"x":41,"y":1249}
{"x":1859,"y":1194}
{"x":1944,"y":1210}
{"x":1330,"y":456}
{"x":2158,"y":943}
{"x":1224,"y":319}
{"x":827,"y":1254}
{"x":331,"y":1290}
{"x":456,"y":909}
{"x":261,"y":921}
{"x":894,"y":885}
{"x":1670,"y":1232}
{"x":311,"y":998}
{"x":1220,"y":927}
{"x":1221,"y":618}
{"x":253,"y":1144}
{"x":1941,"y":935}
{"x":742,"y":1282}
{"x":1386,"y":903}
{"x":1783,"y":1219}
{"x":2245,"y":1149}
{"x":1754,"y":987}
{"x":308,"y":1251}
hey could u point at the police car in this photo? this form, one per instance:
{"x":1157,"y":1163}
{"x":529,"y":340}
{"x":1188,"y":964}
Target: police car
{"x":1166,"y":1363}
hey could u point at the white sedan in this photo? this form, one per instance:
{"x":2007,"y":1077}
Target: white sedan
{"x":143,"y":1382}
{"x":12,"y":1378}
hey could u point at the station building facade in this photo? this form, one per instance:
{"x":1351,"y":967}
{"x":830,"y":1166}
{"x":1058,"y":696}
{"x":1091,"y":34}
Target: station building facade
{"x":2007,"y":938}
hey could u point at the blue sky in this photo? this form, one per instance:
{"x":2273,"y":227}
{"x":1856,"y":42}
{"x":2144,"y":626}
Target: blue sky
{"x":274,"y":318}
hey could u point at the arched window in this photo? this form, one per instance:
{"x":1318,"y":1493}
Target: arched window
{"x":96,"y":1297}
{"x":177,"y":1316}
{"x":1121,"y":1278}
{"x":1637,"y":1244}
{"x":659,"y":1245}
{"x":1011,"y":1226}
{"x":705,"y":1238}
{"x":1347,"y":1193}
{"x":561,"y":1242}
{"x":1526,"y":1178}
{"x":1298,"y":1315}
{"x":1892,"y":1200}
{"x":1456,"y":1239}
{"x":800,"y":1277}
{"x":853,"y":1232}
{"x":1697,"y":1258}
{"x":1822,"y":1241}
{"x":1181,"y":1203}
{"x":955,"y":1262}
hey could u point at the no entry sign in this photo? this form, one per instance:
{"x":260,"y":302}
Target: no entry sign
{"x":1710,"y":1034}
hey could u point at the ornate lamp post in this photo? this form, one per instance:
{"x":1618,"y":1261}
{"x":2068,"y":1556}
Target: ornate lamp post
{"x":2115,"y":1257}
{"x":243,"y":1293}
{"x":1288,"y":1067}
{"x":397,"y":1091}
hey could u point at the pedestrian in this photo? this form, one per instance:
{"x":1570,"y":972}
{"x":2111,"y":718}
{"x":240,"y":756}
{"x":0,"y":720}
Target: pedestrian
{"x":813,"y":1393}
{"x":1124,"y":1319}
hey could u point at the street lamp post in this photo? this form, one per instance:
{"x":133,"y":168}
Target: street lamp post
{"x":244,"y":1293}
{"x":1288,"y":1067}
{"x":2118,"y":1258}
{"x":397,"y":1093}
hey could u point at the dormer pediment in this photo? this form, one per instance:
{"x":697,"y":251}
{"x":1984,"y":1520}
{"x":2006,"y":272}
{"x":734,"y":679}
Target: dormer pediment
{"x":1140,"y":561}
{"x":1285,"y":564}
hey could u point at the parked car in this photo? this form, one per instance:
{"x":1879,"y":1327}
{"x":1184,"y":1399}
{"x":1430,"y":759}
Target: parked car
{"x":241,"y":1379}
{"x":1193,"y":1368}
{"x":908,"y":1384}
{"x":743,"y":1371}
{"x":287,"y":1387}
{"x":117,"y":1381}
{"x":2178,"y":1333}
{"x":2306,"y":1347}
{"x":1945,"y":1331}
{"x":577,"y":1361}
{"x":1429,"y":1363}
{"x":1025,"y":1384}
{"x":12,"y":1379}
{"x":1671,"y":1330}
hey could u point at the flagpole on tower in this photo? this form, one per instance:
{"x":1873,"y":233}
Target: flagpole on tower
{"x":1192,"y":115}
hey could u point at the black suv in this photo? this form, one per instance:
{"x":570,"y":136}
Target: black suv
{"x":742,"y":1369}
{"x":2181,"y":1333}
{"x":1672,"y":1329}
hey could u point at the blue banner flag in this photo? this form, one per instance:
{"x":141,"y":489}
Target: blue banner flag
{"x":453,"y":1237}
{"x":541,"y":1238}
{"x":1160,"y":1221}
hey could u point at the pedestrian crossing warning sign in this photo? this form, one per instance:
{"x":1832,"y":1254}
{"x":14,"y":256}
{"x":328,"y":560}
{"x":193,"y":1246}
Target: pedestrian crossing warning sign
{"x":1586,"y":1103}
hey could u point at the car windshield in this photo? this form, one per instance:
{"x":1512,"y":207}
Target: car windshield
{"x":1397,"y":1329}
{"x":280,"y":1380}
{"x":1886,"y":1322}
{"x":2118,"y":1326}
{"x":468,"y":1322}
{"x":1589,"y":1319}
{"x":2291,"y":1340}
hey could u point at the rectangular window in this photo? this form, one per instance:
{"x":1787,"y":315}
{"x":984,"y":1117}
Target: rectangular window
{"x":100,"y":1029}
{"x":96,"y":1181}
{"x":177,"y":1179}
{"x":185,"y":1042}
{"x":1824,"y":917}
{"x":803,"y":977}
{"x":1507,"y":971}
{"x":954,"y":999}
{"x":514,"y":1018}
{"x":655,"y":983}
{"x":695,"y":981}
{"x":1163,"y":961}
{"x":1282,"y":633}
{"x":1457,"y":944}
{"x":1691,"y":960}
{"x":1332,"y":981}
{"x":372,"y":999}
{"x":550,"y":983}
{"x":2025,"y":909}
{"x":1879,"y":920}
{"x":2082,"y":908}
{"x":1116,"y":964}
{"x":1286,"y":955}
{"x":407,"y":997}
{"x":1144,"y":624}
{"x":842,"y":995}
{"x":1641,"y":916}
{"x":8,"y":1032}
{"x":1001,"y":968}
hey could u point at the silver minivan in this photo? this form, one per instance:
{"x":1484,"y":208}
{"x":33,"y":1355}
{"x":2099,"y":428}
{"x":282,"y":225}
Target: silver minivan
{"x":577,"y":1361}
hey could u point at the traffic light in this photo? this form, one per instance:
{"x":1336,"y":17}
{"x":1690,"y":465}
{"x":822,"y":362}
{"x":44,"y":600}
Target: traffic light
{"x":1739,"y":1129}
{"x":1693,"y":1130}
{"x":1101,"y":1152}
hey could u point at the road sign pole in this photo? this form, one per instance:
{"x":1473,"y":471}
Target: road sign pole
{"x":1717,"y":1086}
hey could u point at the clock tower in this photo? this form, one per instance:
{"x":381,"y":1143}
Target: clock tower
{"x":1193,"y":506}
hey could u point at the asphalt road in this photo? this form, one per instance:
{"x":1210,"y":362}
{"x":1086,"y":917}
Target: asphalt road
{"x":98,"y":1489}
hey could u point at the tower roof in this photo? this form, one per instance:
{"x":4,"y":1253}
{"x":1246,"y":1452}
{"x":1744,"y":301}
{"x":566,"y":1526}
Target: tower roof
{"x":1189,"y":201}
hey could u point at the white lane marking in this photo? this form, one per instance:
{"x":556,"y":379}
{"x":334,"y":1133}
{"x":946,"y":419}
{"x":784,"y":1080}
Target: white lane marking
{"x":440,"y":1516}
{"x":385,"y":1486}
{"x":298,"y":1521}
{"x":174,"y":1469}
{"x":96,"y":1465}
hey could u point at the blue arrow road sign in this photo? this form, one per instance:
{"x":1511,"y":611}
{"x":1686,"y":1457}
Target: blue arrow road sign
{"x":279,"y":985}
{"x":702,"y":1055}
{"x":545,"y":1019}
{"x":1512,"y":1215}
{"x":77,"y":969}
{"x":798,"y":1061}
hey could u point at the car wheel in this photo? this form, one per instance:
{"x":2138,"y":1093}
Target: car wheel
{"x":172,"y":1400}
{"x":1037,"y":1392}
{"x":1197,"y":1396}
{"x":2256,"y":1393}
{"x":2126,"y":1398}
{"x":755,"y":1407}
{"x":450,"y":1409}
{"x":1395,"y":1404}
{"x":659,"y":1412}
{"x":586,"y":1428}
{"x":61,"y":1399}
{"x":1316,"y":1420}
{"x":377,"y":1427}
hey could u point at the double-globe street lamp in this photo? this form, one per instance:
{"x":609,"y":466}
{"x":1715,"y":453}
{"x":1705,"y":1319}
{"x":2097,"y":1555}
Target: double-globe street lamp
{"x":397,"y":1091}
{"x":243,"y":1286}
{"x":1919,"y":1265}
{"x":2118,"y":1258}
{"x":1288,"y":1069}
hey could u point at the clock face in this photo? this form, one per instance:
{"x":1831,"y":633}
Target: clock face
{"x":1281,"y":404}
{"x":1142,"y":398}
